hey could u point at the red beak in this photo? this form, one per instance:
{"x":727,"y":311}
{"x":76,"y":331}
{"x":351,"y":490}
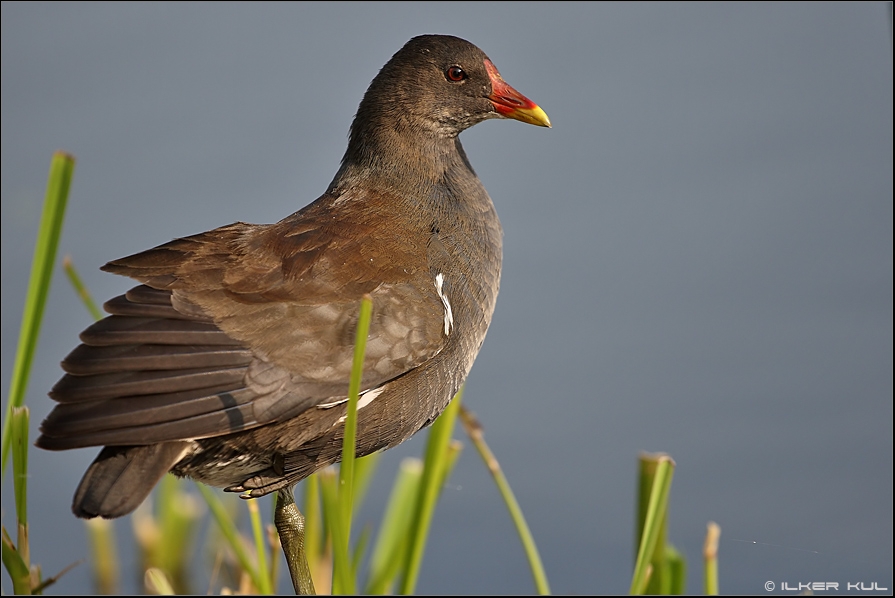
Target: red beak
{"x":510,"y":103}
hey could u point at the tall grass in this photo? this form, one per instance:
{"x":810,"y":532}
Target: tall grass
{"x":17,"y":555}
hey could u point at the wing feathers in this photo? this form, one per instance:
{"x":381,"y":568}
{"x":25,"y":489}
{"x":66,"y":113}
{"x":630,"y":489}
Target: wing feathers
{"x":123,"y":384}
{"x":71,"y":419}
{"x":234,"y":419}
{"x":123,"y":305}
{"x":154,"y":418}
{"x":178,"y":386}
{"x":143,"y":294}
{"x":86,"y":360}
{"x":118,"y":330}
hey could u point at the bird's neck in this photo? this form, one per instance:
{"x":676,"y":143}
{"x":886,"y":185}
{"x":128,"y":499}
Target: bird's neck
{"x":401,"y":158}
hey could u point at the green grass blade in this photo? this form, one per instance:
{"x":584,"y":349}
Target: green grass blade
{"x":349,"y":443}
{"x":19,"y":431}
{"x":315,"y":536}
{"x":19,"y":435}
{"x":475,"y":433}
{"x":653,"y":520}
{"x":104,"y":555}
{"x":342,"y":566}
{"x":274,"y":550}
{"x":360,"y":549}
{"x":156,"y":582}
{"x":15,"y":566}
{"x":260,"y":548}
{"x":80,"y":288}
{"x":364,"y":470}
{"x":710,"y":554}
{"x":179,"y":515}
{"x":231,"y":534}
{"x":436,"y":461}
{"x":391,"y":541}
{"x":165,"y":532}
{"x":61,"y":168}
{"x":332,"y":516}
{"x":676,"y":566}
{"x":451,"y":454}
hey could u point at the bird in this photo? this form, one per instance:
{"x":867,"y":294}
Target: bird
{"x":229,"y":362}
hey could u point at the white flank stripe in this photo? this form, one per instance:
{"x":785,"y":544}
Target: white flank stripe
{"x":448,"y":313}
{"x":363,"y":400}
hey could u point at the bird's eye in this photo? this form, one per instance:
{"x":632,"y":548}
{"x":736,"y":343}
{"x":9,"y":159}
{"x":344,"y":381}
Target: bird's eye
{"x":455,"y":73}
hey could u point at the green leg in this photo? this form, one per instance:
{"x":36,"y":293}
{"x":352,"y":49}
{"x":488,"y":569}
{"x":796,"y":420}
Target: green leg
{"x":291,"y":527}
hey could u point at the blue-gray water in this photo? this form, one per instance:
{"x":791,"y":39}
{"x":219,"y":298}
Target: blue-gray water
{"x":698,"y":256}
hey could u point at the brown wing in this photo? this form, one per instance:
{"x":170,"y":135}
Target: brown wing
{"x":243,"y":326}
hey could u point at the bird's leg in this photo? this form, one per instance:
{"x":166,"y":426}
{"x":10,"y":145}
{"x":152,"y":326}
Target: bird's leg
{"x":291,"y":528}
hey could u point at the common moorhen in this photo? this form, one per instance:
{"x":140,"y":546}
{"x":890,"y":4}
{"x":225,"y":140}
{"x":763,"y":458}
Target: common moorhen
{"x":230,"y":363}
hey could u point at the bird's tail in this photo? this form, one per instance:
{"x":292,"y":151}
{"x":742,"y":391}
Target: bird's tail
{"x":121,"y":477}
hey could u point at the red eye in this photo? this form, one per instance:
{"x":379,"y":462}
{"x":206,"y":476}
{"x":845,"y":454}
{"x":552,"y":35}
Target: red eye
{"x":455,"y":73}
